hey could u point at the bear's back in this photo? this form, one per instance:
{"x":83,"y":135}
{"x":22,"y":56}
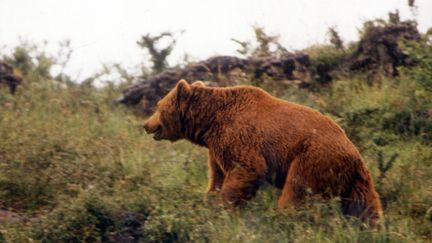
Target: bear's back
{"x":271,"y":115}
{"x":282,"y":125}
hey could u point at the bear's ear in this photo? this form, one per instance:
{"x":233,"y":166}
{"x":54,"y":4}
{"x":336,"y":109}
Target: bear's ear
{"x":198,"y":84}
{"x":183,"y":89}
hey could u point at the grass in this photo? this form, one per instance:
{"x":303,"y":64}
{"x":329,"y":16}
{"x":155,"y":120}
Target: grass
{"x":75,"y":167}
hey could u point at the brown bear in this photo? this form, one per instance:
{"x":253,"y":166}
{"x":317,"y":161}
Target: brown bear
{"x":255,"y":138}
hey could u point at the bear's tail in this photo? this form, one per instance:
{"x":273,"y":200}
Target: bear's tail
{"x":362,"y":201}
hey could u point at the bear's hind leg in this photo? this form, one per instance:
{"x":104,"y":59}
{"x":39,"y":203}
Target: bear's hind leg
{"x":294,"y":190}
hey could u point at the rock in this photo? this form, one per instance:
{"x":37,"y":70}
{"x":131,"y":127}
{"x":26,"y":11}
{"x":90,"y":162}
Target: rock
{"x":217,"y":71}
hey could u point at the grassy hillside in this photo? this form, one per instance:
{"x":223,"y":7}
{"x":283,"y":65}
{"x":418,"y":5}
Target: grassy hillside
{"x":74,"y":167}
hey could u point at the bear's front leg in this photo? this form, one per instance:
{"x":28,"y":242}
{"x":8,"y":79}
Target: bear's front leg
{"x":216,"y":177}
{"x":242,"y":182}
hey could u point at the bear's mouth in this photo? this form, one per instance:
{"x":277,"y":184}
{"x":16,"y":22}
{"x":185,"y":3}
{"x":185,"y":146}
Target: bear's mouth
{"x":157,"y":134}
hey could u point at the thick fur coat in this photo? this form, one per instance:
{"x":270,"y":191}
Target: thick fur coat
{"x":253,"y":137}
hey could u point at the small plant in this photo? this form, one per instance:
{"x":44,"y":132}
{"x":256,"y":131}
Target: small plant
{"x":265,"y":45}
{"x":384,"y":166}
{"x":335,"y":38}
{"x":158,"y":55}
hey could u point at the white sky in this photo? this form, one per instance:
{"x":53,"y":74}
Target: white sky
{"x":106,"y":31}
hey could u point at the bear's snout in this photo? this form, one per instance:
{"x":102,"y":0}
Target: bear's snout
{"x":153,"y":126}
{"x":146,"y":127}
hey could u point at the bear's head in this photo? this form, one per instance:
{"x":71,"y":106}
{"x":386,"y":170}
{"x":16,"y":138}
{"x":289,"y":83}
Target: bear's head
{"x":167,"y":121}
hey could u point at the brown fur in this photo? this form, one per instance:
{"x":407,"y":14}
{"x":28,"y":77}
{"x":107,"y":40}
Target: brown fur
{"x":254,"y":138}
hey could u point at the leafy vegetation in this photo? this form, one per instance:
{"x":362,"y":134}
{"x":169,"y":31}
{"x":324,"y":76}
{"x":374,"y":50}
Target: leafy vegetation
{"x":75,"y":167}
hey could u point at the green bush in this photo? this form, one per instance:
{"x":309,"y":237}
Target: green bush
{"x":82,"y":220}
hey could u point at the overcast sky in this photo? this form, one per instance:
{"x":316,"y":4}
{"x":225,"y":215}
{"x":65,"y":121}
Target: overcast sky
{"x":107,"y":30}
